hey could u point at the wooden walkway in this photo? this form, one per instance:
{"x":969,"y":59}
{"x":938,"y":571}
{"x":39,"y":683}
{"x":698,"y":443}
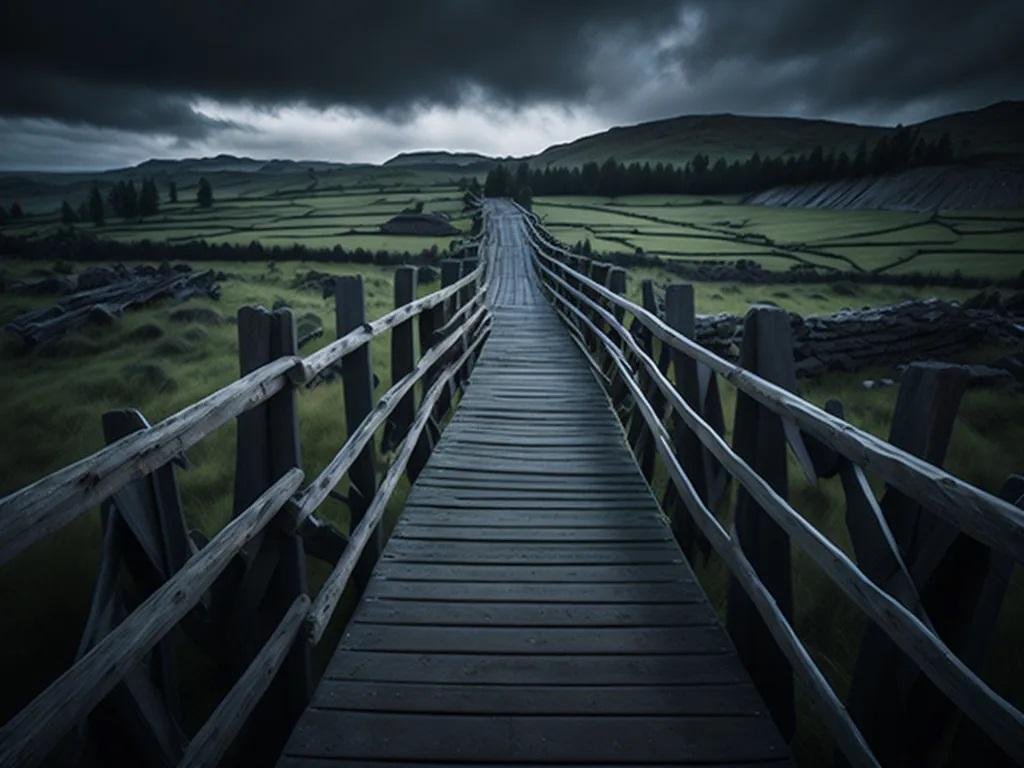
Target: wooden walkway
{"x":532,"y":606}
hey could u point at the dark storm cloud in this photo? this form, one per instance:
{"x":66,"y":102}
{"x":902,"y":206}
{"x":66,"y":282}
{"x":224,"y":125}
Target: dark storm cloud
{"x":373,"y":55}
{"x":140,"y":66}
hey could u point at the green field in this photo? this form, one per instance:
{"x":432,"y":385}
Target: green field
{"x":53,"y":397}
{"x":987,"y":244}
{"x":316,"y":219}
{"x":52,"y":402}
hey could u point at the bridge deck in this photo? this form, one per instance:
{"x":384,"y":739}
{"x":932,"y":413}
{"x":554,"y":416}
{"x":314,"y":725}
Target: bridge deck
{"x":532,"y":606}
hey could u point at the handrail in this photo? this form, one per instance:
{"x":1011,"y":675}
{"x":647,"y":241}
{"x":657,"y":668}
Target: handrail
{"x":314,"y":494}
{"x":330,"y":593}
{"x":48,"y":504}
{"x":41,"y":508}
{"x":51,"y":502}
{"x":847,"y":735}
{"x":970,"y":693}
{"x":27,"y":737}
{"x":983,"y":516}
{"x":336,"y":350}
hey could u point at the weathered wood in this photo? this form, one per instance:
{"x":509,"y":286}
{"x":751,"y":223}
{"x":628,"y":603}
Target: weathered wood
{"x":511,"y":604}
{"x":330,"y":593}
{"x":357,"y":380}
{"x":450,"y":271}
{"x":217,"y":734}
{"x":275,"y":574}
{"x":980,"y":514}
{"x":887,"y":683}
{"x":831,"y":709}
{"x":50,"y":503}
{"x":144,"y":535}
{"x":759,"y":439}
{"x":971,"y":744}
{"x":995,"y":715}
{"x":27,"y":737}
{"x":322,"y":486}
{"x":679,"y":314}
{"x":878,"y":554}
{"x":366,"y":332}
{"x":403,"y":358}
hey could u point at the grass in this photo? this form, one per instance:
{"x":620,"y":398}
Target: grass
{"x":829,"y":624}
{"x":321,"y":220}
{"x":780,"y":238}
{"x":52,"y":402}
{"x":52,"y":399}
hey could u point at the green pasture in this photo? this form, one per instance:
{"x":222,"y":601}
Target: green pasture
{"x":314,"y":218}
{"x":53,"y":398}
{"x":979,"y":244}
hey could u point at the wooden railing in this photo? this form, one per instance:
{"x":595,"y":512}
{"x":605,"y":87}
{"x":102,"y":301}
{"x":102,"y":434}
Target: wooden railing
{"x":245,"y":589}
{"x":699,"y":463}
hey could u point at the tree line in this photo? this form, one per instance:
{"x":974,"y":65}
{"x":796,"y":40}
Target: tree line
{"x":80,"y":246}
{"x":903,"y":149}
{"x":123,"y":199}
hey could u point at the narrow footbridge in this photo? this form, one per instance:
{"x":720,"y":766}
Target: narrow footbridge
{"x":534,"y":603}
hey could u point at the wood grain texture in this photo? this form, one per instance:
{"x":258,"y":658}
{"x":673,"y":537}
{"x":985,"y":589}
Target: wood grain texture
{"x":532,"y":605}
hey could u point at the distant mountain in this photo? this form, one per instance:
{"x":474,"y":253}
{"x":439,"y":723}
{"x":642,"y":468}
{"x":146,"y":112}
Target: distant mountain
{"x":433,"y":158}
{"x":994,"y":130}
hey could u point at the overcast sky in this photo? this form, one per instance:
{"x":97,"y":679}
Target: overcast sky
{"x":109,"y":83}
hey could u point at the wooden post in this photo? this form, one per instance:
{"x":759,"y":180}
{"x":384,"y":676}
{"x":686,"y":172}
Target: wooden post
{"x":267,"y":448}
{"x":403,"y":359}
{"x":760,"y":440}
{"x":971,"y":745}
{"x":679,"y":315}
{"x":357,"y":381}
{"x":450,"y":272}
{"x":468,"y":265}
{"x":948,"y":570}
{"x":640,"y":436}
{"x":617,"y":284}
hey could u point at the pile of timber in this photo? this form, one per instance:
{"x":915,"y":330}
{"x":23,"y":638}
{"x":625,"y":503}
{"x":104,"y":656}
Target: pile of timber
{"x":107,"y":301}
{"x":853,"y":339}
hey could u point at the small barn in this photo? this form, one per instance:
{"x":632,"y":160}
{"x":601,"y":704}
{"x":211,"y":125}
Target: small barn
{"x":418,"y":224}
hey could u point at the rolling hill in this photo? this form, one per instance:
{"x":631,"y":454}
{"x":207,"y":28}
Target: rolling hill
{"x":997,"y":130}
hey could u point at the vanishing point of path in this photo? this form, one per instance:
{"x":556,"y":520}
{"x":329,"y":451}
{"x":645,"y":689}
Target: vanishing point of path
{"x":532,"y":607}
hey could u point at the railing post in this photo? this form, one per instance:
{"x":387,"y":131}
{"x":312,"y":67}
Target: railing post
{"x":468,"y":265}
{"x":760,"y":440}
{"x":451,"y":269}
{"x":267,"y":448}
{"x":948,"y":569}
{"x":357,"y":381}
{"x":680,"y":316}
{"x":403,"y":359}
{"x":640,"y":436}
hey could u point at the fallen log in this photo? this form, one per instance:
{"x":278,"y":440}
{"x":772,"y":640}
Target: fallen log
{"x":108,"y":302}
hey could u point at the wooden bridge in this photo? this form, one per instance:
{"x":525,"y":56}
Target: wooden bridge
{"x":533,"y":604}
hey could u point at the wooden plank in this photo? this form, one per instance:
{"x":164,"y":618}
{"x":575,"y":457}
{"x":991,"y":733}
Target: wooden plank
{"x":428,"y":737}
{"x":652,"y":593}
{"x":466,"y":614}
{"x":629,"y":700}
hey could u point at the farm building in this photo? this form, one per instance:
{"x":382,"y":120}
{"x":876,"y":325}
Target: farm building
{"x":418,"y":224}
